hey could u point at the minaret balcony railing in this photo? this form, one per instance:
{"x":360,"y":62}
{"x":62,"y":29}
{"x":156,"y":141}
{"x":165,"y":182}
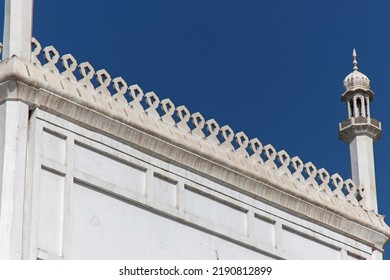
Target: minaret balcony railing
{"x":359,"y":121}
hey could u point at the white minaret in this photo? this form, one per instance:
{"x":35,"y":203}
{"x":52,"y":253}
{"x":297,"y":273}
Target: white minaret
{"x":17,"y":28}
{"x":359,"y":131}
{"x":14,"y":116}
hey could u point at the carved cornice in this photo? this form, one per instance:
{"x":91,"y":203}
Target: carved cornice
{"x":236,"y":161}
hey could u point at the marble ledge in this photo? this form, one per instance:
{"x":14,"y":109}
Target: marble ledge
{"x":44,"y":89}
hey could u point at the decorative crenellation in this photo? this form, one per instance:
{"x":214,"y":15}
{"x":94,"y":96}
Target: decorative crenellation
{"x":226,"y":145}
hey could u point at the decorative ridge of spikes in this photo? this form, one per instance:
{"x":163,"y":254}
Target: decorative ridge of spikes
{"x":248,"y":153}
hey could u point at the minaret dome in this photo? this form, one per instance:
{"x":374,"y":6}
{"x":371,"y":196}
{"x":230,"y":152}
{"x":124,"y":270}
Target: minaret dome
{"x":356,"y":80}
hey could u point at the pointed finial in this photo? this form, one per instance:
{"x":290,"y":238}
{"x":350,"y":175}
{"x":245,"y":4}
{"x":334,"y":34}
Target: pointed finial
{"x":354,"y":62}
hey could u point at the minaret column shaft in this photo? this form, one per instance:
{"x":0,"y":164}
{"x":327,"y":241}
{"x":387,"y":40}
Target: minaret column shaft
{"x":17,"y":28}
{"x":363,"y":167}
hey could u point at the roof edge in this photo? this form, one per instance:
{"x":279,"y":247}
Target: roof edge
{"x":248,"y":173}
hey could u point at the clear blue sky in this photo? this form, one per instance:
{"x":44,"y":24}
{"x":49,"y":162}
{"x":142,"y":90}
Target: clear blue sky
{"x":273,"y":69}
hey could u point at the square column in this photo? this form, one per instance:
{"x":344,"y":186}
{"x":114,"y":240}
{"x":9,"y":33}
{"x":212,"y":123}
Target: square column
{"x":13,"y":148}
{"x":18,"y":16}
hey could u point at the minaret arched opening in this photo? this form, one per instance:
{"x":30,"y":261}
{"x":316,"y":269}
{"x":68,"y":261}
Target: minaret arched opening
{"x":368,"y":107}
{"x":350,"y":108}
{"x":358,"y":107}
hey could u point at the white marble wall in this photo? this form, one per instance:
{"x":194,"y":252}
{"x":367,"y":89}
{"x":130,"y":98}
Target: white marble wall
{"x":92,"y":197}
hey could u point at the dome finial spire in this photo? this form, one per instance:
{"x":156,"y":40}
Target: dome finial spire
{"x":356,"y":78}
{"x":354,"y":62}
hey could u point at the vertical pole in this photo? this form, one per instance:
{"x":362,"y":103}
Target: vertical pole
{"x":349,"y":109}
{"x":355,"y":107}
{"x":363,"y":110}
{"x":368,"y":107}
{"x":18,"y":16}
{"x":13,"y":132}
{"x":13,"y":149}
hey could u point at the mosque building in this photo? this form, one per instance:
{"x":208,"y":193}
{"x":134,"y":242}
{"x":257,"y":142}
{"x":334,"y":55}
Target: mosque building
{"x":87,"y":172}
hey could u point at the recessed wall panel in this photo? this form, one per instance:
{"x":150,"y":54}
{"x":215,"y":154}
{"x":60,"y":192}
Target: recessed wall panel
{"x":50,"y":212}
{"x":163,"y":190}
{"x":307,"y":247}
{"x":53,"y":146}
{"x":108,"y":169}
{"x":217,"y":212}
{"x":264,"y":230}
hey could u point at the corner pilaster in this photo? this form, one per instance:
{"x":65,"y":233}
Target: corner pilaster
{"x":13,"y":148}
